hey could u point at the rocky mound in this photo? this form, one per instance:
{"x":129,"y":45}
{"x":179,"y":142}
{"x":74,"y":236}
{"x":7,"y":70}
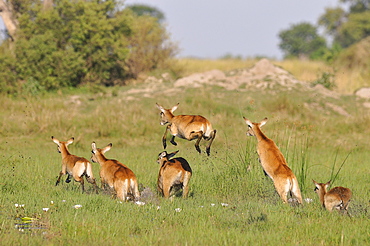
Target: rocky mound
{"x":263,"y":75}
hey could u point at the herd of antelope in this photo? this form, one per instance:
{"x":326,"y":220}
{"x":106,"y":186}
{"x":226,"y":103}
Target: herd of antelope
{"x":175,"y":173}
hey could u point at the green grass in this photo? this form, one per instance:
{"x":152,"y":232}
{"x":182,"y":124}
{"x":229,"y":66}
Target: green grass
{"x":314,"y":141}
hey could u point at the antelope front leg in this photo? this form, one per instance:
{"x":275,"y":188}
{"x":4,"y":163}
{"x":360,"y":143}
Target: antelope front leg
{"x":164,"y":140}
{"x":68,"y":179}
{"x":58,"y":180}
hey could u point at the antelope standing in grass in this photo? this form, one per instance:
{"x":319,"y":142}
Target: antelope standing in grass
{"x":173,"y":174}
{"x":188,"y":127}
{"x":74,"y":166}
{"x":337,"y":198}
{"x":115,"y":175}
{"x":274,"y":163}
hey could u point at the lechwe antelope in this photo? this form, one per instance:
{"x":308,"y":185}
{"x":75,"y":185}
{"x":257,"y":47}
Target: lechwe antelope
{"x":74,"y":166}
{"x":173,"y":174}
{"x":188,"y":127}
{"x":274,"y":163}
{"x":115,"y":175}
{"x":336,"y":198}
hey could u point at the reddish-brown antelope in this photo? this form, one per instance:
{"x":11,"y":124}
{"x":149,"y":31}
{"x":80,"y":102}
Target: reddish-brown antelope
{"x":188,"y":127}
{"x":115,"y":175}
{"x":337,"y":198}
{"x":74,"y":166}
{"x":274,"y":163}
{"x":174,"y":174}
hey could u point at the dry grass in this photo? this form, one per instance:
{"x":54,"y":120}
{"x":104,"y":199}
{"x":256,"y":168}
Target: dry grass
{"x":347,"y":80}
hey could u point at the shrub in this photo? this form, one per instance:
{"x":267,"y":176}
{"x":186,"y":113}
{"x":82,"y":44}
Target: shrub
{"x":326,"y":80}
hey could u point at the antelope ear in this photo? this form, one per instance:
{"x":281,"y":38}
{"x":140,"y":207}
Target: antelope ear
{"x":160,"y":107}
{"x":248,"y":122}
{"x":70,"y":141}
{"x":55,"y":140}
{"x":107,"y":148}
{"x":263,"y":122}
{"x":93,"y":146}
{"x":316,"y":184}
{"x":162,"y":154}
{"x":173,"y":154}
{"x":327,"y":184}
{"x":174,"y":107}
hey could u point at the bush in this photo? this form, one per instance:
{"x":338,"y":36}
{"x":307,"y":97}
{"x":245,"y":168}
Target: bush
{"x":83,"y":42}
{"x":326,"y":80}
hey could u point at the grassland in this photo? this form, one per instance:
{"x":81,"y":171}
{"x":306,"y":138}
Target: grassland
{"x":231,"y":201}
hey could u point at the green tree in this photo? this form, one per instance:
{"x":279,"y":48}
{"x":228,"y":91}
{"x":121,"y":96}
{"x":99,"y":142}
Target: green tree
{"x":80,"y":42}
{"x":357,"y":6}
{"x":332,"y":19}
{"x":347,"y":27}
{"x":301,"y":40}
{"x":356,"y":28}
{"x":141,"y":9}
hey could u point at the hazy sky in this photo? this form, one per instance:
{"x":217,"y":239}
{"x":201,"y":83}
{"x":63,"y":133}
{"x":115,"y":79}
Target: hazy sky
{"x":214,"y":28}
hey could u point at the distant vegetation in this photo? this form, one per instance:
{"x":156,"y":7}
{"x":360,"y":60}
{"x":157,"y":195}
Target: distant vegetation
{"x":68,"y":44}
{"x":56,"y":44}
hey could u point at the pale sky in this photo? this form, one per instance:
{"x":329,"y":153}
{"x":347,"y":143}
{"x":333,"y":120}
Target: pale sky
{"x":214,"y":28}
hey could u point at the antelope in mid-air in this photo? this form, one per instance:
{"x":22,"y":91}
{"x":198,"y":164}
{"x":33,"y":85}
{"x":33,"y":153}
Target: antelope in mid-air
{"x":74,"y":166}
{"x":115,"y":175}
{"x":188,"y":127}
{"x":274,"y":163}
{"x":173,"y":174}
{"x":337,"y":198}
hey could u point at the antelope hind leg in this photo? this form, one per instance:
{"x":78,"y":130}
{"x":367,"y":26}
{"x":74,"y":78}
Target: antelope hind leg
{"x":208,"y":148}
{"x":198,"y":136}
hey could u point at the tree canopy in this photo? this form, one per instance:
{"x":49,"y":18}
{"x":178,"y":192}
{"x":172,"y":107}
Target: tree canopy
{"x":344,"y":27}
{"x":301,"y":40}
{"x":80,"y":42}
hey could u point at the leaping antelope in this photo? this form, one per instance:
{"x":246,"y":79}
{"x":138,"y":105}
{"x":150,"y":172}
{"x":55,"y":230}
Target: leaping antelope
{"x":74,"y":166}
{"x":274,"y":163}
{"x":188,"y":127}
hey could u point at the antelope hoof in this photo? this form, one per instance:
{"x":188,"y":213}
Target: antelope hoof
{"x":198,"y":149}
{"x":174,"y":143}
{"x":56,"y":183}
{"x":208,"y":151}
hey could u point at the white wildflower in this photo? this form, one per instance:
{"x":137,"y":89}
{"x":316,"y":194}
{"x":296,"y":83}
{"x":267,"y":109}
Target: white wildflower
{"x":140,"y":203}
{"x":158,"y":207}
{"x":212,"y":204}
{"x":77,"y":206}
{"x":224,"y":204}
{"x":308,"y":200}
{"x":45,"y":209}
{"x":178,"y":210}
{"x":16,"y":205}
